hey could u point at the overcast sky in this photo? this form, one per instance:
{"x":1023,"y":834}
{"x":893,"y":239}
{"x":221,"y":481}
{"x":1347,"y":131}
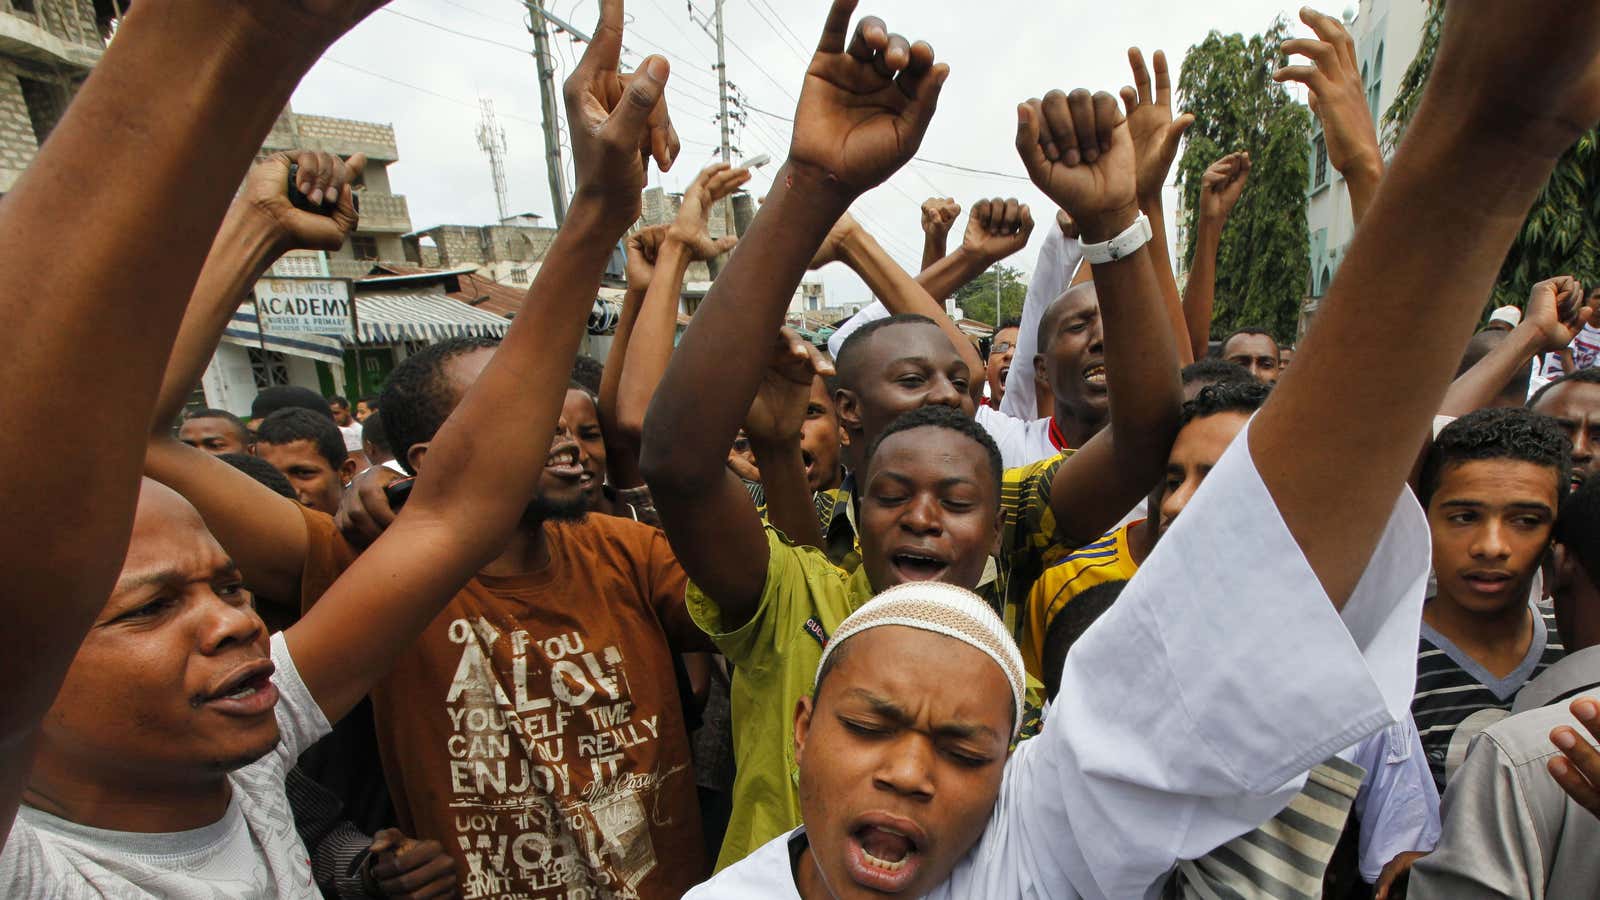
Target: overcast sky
{"x":404,"y":67}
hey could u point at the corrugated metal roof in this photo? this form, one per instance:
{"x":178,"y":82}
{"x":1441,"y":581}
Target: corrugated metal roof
{"x":387,"y":318}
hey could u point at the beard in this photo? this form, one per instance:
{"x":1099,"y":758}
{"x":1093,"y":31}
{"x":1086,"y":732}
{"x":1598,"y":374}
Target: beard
{"x":545,"y":508}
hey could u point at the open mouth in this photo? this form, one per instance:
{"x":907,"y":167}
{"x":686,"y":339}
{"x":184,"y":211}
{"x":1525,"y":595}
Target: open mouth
{"x":563,"y":463}
{"x":882,"y":857}
{"x":808,"y":459}
{"x":914,"y":565}
{"x":1095,"y":375}
{"x":1005,"y":371}
{"x":247,"y":691}
{"x":1488,"y":582}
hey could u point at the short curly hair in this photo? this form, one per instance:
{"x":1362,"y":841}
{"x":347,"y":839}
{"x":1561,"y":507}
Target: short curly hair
{"x":1226,"y":396}
{"x":1214,"y":371}
{"x":948,"y":418}
{"x":294,"y":423}
{"x":1511,"y":433}
{"x":418,"y":396}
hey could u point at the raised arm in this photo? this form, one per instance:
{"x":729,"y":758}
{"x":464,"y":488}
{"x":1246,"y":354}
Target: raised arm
{"x":1155,"y":143}
{"x":136,"y":176}
{"x":1542,"y":330}
{"x":1339,"y":101}
{"x":995,"y":229}
{"x":862,"y":113}
{"x":263,"y":532}
{"x":686,"y":240}
{"x":1221,"y":185}
{"x":1078,"y":151}
{"x":773,"y":426}
{"x":1512,"y":87}
{"x":938,"y":214}
{"x":622,"y":449}
{"x":484,"y":464}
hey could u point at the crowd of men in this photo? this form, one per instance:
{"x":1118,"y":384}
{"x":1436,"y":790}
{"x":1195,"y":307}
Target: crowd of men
{"x":1096,"y":610}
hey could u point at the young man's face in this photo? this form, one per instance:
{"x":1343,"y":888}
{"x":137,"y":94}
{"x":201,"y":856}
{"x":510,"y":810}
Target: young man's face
{"x":1576,"y":408}
{"x":821,"y":438}
{"x":1071,"y":356}
{"x":581,"y":420}
{"x":316,"y":483}
{"x":215,"y":436}
{"x":1491,"y":522}
{"x":560,"y":492}
{"x":1285,"y":356}
{"x":341,"y":414}
{"x":362,"y":410}
{"x":929,"y":509}
{"x":1256,"y":352}
{"x":906,"y":366}
{"x":1002,"y":351}
{"x":900,"y":762}
{"x":173,"y":681}
{"x":1195,"y":452}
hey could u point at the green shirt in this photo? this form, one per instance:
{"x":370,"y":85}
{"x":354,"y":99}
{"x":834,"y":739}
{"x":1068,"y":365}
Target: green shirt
{"x":775,"y":657}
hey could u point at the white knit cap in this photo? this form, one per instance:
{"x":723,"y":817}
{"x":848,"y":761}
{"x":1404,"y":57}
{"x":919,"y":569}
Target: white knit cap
{"x":1507,"y":314}
{"x":942,"y":609}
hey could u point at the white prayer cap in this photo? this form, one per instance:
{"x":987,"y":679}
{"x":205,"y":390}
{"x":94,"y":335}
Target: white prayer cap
{"x":942,"y":609}
{"x":1510,"y":315}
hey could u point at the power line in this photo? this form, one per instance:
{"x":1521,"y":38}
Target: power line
{"x":799,"y":41}
{"x":422,"y":90}
{"x":470,"y":104}
{"x":798,"y":54}
{"x":969,"y":169}
{"x":461,"y":34}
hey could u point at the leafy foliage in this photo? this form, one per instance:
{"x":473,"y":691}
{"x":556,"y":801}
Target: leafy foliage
{"x":976,"y":297}
{"x":1264,"y":263}
{"x":1561,"y":235}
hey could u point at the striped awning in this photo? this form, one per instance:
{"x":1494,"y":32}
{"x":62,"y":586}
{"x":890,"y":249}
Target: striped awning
{"x":391,"y":318}
{"x":383,"y":319}
{"x":242,"y":330}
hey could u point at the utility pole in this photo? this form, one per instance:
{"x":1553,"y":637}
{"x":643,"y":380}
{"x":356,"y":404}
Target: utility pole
{"x":548,"y":97}
{"x":997,"y":317}
{"x":722,"y":90}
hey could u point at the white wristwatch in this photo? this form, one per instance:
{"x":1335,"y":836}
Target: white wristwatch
{"x":1137,"y":235}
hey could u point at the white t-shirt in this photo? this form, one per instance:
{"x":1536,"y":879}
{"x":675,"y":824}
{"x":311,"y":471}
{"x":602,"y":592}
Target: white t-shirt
{"x":352,"y":437}
{"x":1020,"y":442}
{"x":1190,"y":712}
{"x":253,"y":851}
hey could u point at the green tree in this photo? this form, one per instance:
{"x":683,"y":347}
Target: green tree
{"x":1561,"y":235}
{"x":976,"y":297}
{"x":1264,"y":263}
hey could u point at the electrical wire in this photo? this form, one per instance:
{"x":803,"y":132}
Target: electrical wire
{"x":522,"y":51}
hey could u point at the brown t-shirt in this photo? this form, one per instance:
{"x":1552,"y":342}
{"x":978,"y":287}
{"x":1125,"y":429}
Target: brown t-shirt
{"x":535,"y":729}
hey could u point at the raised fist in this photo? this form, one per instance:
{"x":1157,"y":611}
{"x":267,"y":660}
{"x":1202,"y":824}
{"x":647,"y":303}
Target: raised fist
{"x":938,"y":214}
{"x":1222,"y":185}
{"x":326,"y":181}
{"x":997,"y":228}
{"x":1078,"y":151}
